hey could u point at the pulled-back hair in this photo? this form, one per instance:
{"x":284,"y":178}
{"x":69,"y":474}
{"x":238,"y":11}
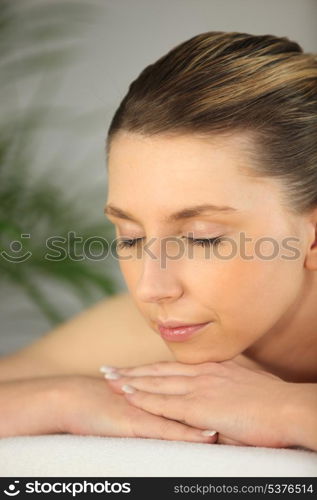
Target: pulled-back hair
{"x":228,"y":82}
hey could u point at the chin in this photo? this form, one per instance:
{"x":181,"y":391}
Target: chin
{"x":184,"y":353}
{"x":195,"y":358}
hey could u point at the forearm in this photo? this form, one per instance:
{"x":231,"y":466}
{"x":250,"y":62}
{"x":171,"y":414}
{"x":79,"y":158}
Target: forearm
{"x":30,"y":407}
{"x":303,"y":415}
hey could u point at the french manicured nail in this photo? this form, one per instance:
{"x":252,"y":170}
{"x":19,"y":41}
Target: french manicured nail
{"x":112,"y":375}
{"x":106,"y":369}
{"x":208,"y":433}
{"x":128,"y":388}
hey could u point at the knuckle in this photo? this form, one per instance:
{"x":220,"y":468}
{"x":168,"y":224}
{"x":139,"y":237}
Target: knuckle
{"x":215,"y":367}
{"x":208,"y":366}
{"x":165,"y":400}
{"x":223,"y":369}
{"x":191,"y":397}
{"x":166,"y":426}
{"x":177,"y":428}
{"x":228,"y":363}
{"x":156,"y":367}
{"x":204,"y":380}
{"x":212,"y":364}
{"x":154,"y":381}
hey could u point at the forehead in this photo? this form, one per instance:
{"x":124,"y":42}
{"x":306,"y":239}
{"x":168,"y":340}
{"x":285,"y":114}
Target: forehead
{"x":172,"y":156}
{"x":171,"y":143}
{"x":165,"y":171}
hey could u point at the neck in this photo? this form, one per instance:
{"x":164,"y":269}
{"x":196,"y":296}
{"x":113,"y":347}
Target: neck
{"x":289,"y":349}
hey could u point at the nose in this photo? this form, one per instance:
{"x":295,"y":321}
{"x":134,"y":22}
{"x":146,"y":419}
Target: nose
{"x":159,"y":280}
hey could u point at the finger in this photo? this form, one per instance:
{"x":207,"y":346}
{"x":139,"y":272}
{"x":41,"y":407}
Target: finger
{"x":163,"y":405}
{"x":225,"y":440}
{"x":158,"y":385}
{"x":164,"y":368}
{"x":161,"y":368}
{"x":268,"y":374}
{"x":161,"y":428}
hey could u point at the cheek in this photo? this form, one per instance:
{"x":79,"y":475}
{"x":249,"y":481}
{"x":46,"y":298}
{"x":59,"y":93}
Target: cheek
{"x":235,"y":289}
{"x":251,"y":296}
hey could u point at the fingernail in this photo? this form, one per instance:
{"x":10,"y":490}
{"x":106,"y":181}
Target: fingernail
{"x":127,"y":388}
{"x":112,"y":375}
{"x":106,"y":369}
{"x":208,"y":433}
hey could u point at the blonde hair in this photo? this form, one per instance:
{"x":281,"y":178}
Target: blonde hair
{"x":226,"y":82}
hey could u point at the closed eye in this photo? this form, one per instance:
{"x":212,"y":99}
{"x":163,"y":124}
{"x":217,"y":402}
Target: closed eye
{"x":204,"y":242}
{"x":128,"y":243}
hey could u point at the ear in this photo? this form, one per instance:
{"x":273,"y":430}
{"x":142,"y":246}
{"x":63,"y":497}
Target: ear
{"x":311,"y":257}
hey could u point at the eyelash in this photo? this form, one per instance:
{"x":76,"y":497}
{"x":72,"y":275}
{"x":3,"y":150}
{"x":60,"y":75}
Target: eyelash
{"x":203,"y":242}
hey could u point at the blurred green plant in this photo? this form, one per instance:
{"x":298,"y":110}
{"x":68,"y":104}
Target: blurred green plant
{"x":37,"y":39}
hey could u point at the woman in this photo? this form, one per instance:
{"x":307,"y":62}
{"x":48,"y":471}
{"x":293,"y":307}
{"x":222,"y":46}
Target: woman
{"x":212,"y":168}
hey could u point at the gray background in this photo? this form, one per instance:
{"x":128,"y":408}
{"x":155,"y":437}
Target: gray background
{"x":116,"y":46}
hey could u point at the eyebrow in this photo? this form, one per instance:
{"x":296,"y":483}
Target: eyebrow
{"x":185,"y":213}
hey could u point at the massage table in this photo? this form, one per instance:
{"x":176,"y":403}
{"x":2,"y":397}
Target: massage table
{"x":78,"y":456}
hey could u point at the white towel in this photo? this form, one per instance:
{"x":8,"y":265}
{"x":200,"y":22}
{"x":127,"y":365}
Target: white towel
{"x":78,"y":456}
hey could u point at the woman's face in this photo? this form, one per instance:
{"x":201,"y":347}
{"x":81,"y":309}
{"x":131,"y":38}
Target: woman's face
{"x":244,"y":286}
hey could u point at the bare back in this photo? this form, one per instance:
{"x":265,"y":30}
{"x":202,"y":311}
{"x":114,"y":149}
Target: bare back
{"x":111,"y":332}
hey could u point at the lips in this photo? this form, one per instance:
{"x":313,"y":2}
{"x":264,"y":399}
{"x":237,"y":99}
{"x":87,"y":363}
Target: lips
{"x":176,"y":324}
{"x":179,"y":333}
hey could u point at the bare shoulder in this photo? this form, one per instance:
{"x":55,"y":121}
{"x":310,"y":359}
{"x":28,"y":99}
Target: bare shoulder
{"x":113,"y":332}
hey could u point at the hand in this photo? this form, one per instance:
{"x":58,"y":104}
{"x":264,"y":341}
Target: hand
{"x":89,"y":407}
{"x":246,"y":407}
